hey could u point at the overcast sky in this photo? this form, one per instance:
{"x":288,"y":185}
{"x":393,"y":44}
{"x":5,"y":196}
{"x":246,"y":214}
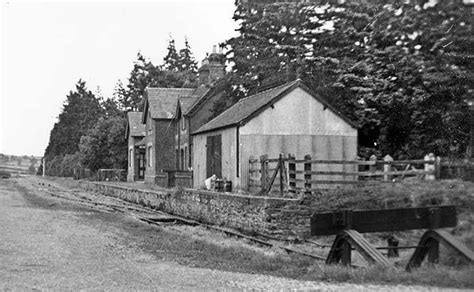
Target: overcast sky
{"x":47,"y":47}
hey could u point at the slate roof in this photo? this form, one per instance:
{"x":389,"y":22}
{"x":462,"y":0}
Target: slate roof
{"x":206,"y":92}
{"x":201,"y":90}
{"x":135,"y":126}
{"x":187,"y":102}
{"x":163,"y":101}
{"x":243,"y":109}
{"x":247,"y":107}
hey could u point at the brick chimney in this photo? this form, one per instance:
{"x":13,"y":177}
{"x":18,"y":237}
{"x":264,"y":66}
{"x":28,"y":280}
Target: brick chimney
{"x":212,"y":67}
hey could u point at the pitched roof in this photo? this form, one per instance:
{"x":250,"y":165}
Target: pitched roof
{"x":247,"y":107}
{"x":187,"y":102}
{"x":242,"y":109}
{"x":162,"y":101}
{"x":135,"y":126}
{"x":201,"y":90}
{"x":205,"y":93}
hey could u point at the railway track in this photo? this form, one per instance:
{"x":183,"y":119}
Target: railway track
{"x":156,"y":217}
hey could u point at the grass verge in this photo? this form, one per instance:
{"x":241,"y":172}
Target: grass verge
{"x":205,"y":249}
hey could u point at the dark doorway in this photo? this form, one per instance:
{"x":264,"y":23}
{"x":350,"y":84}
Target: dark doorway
{"x":214,"y":157}
{"x":141,"y":163}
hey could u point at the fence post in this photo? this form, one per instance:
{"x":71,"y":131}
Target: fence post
{"x":437,"y":167}
{"x":292,"y":173}
{"x":251,"y":170}
{"x":358,"y":167}
{"x":373,"y":167}
{"x":282,"y":167}
{"x":264,"y":171}
{"x":307,"y":174}
{"x":429,"y":167}
{"x":387,"y":167}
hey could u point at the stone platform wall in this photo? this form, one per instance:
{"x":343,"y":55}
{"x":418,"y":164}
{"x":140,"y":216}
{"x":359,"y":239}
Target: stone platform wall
{"x":278,"y":217}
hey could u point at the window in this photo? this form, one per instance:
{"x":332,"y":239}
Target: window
{"x":177,"y":159}
{"x":190,"y":163}
{"x":130,"y":158}
{"x":149,"y":124}
{"x":185,"y":158}
{"x":150,"y":148}
{"x":183,"y":123}
{"x":182,"y":160}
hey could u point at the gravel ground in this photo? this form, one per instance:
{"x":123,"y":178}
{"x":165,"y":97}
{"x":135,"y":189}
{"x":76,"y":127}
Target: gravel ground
{"x":56,"y":246}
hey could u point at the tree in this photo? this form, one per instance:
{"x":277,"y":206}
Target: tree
{"x":105,"y":145}
{"x":146,"y":74}
{"x":33,"y":160}
{"x":172,"y":58}
{"x":401,"y":71}
{"x":132,"y":97}
{"x":186,"y":62}
{"x":80,"y":112}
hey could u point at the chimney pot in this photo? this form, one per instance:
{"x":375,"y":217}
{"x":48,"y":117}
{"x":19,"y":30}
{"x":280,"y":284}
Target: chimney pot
{"x":214,"y":49}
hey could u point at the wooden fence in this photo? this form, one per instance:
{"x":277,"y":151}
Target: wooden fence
{"x":82,"y":173}
{"x":457,"y":169}
{"x":112,"y":174}
{"x":100,"y":175}
{"x":287,"y":174}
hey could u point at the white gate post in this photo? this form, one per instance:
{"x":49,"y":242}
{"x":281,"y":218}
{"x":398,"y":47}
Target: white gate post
{"x":430,"y":167}
{"x":387,"y":167}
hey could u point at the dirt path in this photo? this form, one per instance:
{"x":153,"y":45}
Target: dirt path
{"x":61,"y":249}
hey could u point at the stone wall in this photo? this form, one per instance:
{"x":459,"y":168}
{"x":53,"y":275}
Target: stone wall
{"x":277,"y":217}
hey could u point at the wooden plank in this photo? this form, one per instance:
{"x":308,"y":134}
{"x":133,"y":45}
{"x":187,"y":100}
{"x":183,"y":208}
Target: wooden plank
{"x":377,"y":173}
{"x":401,"y":172}
{"x":362,"y":162}
{"x":419,"y":161}
{"x":312,"y":181}
{"x":457,"y":164}
{"x":270,"y":160}
{"x":272,"y":180}
{"x":383,"y":220}
{"x":337,"y":162}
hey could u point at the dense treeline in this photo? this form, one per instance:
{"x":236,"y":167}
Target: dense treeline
{"x":403,"y":72}
{"x":90,"y":131}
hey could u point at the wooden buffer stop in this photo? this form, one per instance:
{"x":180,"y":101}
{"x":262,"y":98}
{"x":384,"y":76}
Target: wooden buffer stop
{"x":348,"y":225}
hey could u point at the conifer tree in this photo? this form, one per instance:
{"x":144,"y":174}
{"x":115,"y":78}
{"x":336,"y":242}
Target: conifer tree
{"x":80,"y":112}
{"x":172,"y":58}
{"x":186,"y":60}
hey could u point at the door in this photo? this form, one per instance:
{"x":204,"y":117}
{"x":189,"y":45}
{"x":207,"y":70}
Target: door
{"x":214,"y":156}
{"x":141,"y":164}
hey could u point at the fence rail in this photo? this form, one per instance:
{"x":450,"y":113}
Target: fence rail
{"x":288,"y":174}
{"x":457,"y":169}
